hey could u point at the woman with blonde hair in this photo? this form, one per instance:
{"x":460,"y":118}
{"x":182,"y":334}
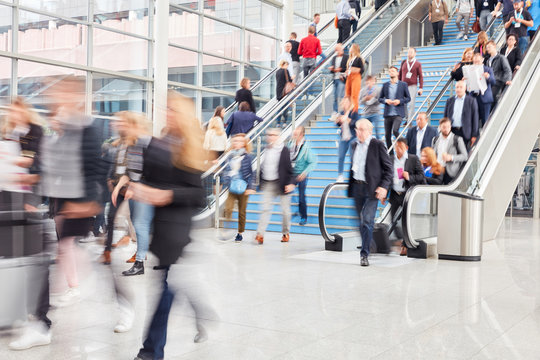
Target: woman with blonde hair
{"x":239,"y":176}
{"x":172,"y":183}
{"x":466,"y":59}
{"x":244,"y":94}
{"x":433,"y":171}
{"x":130,"y":127}
{"x":480,"y":45}
{"x":355,"y":70}
{"x":215,"y":139}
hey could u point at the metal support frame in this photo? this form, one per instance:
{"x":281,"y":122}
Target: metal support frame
{"x":161,"y":70}
{"x":408,"y":32}
{"x":293,"y":120}
{"x":323,"y":94}
{"x":216,"y":214}
{"x":536,"y":191}
{"x":390,"y":49}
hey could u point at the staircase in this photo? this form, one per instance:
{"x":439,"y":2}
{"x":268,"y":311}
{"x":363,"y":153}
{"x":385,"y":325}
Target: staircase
{"x":322,"y":133}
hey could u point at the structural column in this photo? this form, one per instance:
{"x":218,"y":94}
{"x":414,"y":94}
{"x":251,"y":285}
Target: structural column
{"x":287,"y":23}
{"x":161,"y":71}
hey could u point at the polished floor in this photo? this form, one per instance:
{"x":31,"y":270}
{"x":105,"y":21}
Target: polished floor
{"x":294,"y":301}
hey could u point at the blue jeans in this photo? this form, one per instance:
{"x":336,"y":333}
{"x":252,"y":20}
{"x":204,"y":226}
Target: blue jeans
{"x":339,"y":92}
{"x":302,"y":205}
{"x":366,"y":206}
{"x":344,"y":146}
{"x":157,"y":333}
{"x":142,"y":215}
{"x":523,"y":44}
{"x":375,"y":119}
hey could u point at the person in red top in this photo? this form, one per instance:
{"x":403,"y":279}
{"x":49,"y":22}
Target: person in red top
{"x":309,"y":48}
{"x":411,"y":73}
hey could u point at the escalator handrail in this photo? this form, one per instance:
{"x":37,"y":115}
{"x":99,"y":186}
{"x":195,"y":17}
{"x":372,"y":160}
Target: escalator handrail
{"x":322,"y":209}
{"x":289,"y":98}
{"x":433,"y":189}
{"x":430,"y":109}
{"x":271,"y":73}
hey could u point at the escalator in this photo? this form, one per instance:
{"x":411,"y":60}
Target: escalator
{"x":495,"y":163}
{"x":309,"y":95}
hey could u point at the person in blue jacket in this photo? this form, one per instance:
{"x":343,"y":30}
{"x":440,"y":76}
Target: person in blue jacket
{"x":242,"y":121}
{"x":304,"y":161}
{"x":239,"y":166}
{"x":485,"y":99}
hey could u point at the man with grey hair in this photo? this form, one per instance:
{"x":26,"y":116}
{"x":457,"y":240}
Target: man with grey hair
{"x":286,"y":55}
{"x":277,"y":179}
{"x":371,"y":176}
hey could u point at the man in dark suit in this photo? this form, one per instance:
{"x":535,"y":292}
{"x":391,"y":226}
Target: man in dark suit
{"x":394,"y":95}
{"x":462,"y":110}
{"x":369,"y":180}
{"x":408,"y":172}
{"x":421,"y":135}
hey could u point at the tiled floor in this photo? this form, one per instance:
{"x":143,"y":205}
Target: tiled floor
{"x":294,"y":301}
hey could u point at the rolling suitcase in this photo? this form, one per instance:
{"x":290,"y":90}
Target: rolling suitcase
{"x":381,"y":234}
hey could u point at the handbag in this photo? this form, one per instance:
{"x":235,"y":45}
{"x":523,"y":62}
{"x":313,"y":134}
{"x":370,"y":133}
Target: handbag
{"x":476,"y":27}
{"x":289,"y":85}
{"x":238,"y":186}
{"x":336,"y":20}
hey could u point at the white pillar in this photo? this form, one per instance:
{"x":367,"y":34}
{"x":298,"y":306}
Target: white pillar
{"x":287,"y":26}
{"x":161,"y":71}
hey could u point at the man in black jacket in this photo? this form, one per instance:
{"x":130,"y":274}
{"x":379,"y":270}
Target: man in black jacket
{"x":462,"y":110}
{"x":501,"y":70}
{"x":355,"y":5}
{"x":408,"y":172}
{"x":421,"y":135}
{"x":295,"y":57}
{"x":369,"y":180}
{"x":277,"y":179}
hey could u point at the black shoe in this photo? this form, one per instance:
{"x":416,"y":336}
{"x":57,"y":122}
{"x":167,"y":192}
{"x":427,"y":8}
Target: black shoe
{"x":364,"y":261}
{"x":160,"y":267}
{"x":238,"y":237}
{"x":136,"y":269}
{"x":302,"y":222}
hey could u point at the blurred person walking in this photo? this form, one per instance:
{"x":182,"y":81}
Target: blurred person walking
{"x":355,"y":70}
{"x":172,"y":183}
{"x":295,"y":57}
{"x":338,"y":69}
{"x":215,"y":139}
{"x":346,"y":121}
{"x":369,"y":97}
{"x":411,"y":73}
{"x":438,"y":16}
{"x":343,"y":15}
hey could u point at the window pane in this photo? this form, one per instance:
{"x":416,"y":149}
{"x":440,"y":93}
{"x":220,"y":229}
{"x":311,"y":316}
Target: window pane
{"x":118,"y":52}
{"x":182,"y":65}
{"x":221,"y":38}
{"x":300,"y":26}
{"x":126,"y":15}
{"x":5,"y":28}
{"x":229,"y":10}
{"x":111,"y":94}
{"x":190,"y":4}
{"x":34,"y":79}
{"x":261,"y":16}
{"x":260,"y":50}
{"x":190,"y":93}
{"x":52,"y":38}
{"x":77,"y":9}
{"x":302,"y":7}
{"x":183,"y":28}
{"x":211,"y":100}
{"x":5,"y":80}
{"x":267,"y":88}
{"x":220,"y":73}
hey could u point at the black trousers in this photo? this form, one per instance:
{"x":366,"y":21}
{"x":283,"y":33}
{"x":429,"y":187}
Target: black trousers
{"x":396,"y":201}
{"x":344,"y":30}
{"x":459,"y":132}
{"x":110,"y":222}
{"x":438,"y":31}
{"x":43,"y":300}
{"x":391,"y":126}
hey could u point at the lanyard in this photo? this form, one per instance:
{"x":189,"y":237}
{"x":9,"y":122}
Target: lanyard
{"x":438,"y":4}
{"x":411,"y":66}
{"x":518,"y":15}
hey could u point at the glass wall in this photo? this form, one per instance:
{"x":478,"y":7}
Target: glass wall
{"x":109,"y":44}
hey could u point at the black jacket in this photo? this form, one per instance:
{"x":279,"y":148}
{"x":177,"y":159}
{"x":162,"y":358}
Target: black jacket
{"x":501,"y":68}
{"x":514,"y":58}
{"x":469,"y":116}
{"x":342,"y":65}
{"x":478,"y":5}
{"x":379,"y":171}
{"x":294,"y":51}
{"x":402,"y":94}
{"x":458,"y":74}
{"x":355,"y":4}
{"x":172,"y":223}
{"x":245,"y":95}
{"x":415,"y":170}
{"x":429,"y":134}
{"x":282,"y":75}
{"x":285,"y":170}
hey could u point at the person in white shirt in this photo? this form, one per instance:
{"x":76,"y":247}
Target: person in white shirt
{"x":286,"y":55}
{"x":464,"y":11}
{"x":450,"y":149}
{"x":277,"y":179}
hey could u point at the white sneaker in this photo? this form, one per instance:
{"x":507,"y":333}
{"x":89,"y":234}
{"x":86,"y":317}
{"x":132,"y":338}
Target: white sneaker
{"x":340,"y":178}
{"x":465,"y":37}
{"x":126,"y":320}
{"x":36,"y":334}
{"x":70,"y":297}
{"x":89,"y":238}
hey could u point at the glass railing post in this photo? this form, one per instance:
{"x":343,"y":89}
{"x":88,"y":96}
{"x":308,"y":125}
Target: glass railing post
{"x":390,"y":50}
{"x":408,"y":32}
{"x":293,"y":121}
{"x":422,"y":34}
{"x":216,"y":213}
{"x":323,"y":97}
{"x":258,"y":178}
